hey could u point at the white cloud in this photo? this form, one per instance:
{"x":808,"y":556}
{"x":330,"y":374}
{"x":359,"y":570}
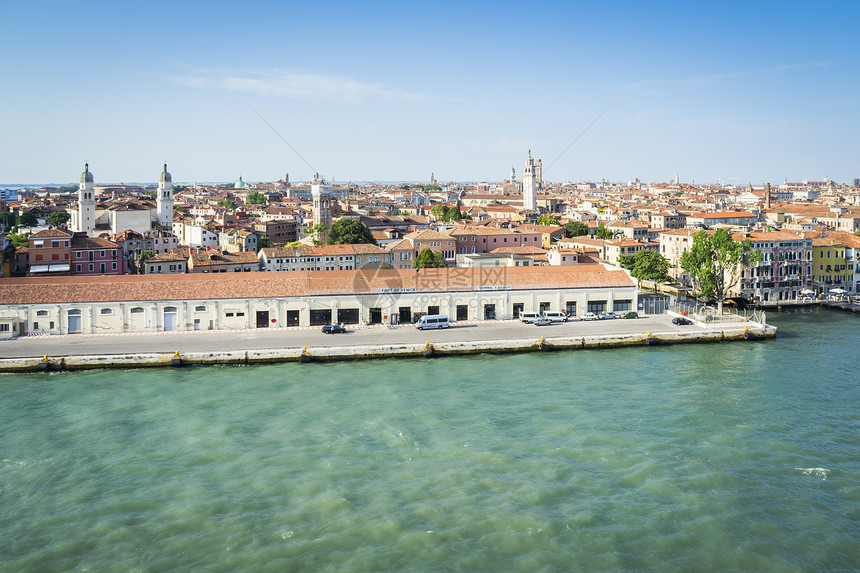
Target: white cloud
{"x":297,"y":85}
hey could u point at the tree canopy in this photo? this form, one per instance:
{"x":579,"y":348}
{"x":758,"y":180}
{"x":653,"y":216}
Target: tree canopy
{"x":229,"y":203}
{"x":575,"y":229}
{"x":27,"y":219}
{"x":603,"y":232}
{"x":7,"y":220}
{"x":20,"y":240}
{"x":349,"y":232}
{"x":429,"y":259}
{"x":715,"y":262}
{"x":647,"y":265}
{"x":264,"y":243}
{"x":255,"y":198}
{"x":547,"y":220}
{"x":57,"y":218}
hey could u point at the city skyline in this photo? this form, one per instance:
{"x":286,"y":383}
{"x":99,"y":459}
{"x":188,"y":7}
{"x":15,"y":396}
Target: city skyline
{"x":392,"y":93}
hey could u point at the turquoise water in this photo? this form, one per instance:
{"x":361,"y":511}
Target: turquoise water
{"x":742,"y":456}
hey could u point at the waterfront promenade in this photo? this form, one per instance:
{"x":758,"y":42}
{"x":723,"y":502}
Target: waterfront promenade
{"x":251,"y":345}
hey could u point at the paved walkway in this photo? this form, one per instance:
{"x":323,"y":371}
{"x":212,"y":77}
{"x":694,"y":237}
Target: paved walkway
{"x":272,"y":338}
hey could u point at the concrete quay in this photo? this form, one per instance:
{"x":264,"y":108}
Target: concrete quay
{"x":239,"y":347}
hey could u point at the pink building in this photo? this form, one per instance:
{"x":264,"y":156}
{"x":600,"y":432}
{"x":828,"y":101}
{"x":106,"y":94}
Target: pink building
{"x":96,"y":256}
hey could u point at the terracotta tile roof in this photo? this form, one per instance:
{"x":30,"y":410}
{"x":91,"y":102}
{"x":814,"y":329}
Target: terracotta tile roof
{"x":126,"y":288}
{"x":92,"y":243}
{"x":56,"y":232}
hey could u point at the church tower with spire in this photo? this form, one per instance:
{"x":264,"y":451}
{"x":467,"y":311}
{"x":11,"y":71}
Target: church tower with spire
{"x":529,"y":185}
{"x":165,"y":200}
{"x":321,"y":193}
{"x":86,"y":220}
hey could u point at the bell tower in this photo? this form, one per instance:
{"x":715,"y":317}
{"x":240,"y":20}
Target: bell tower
{"x":321,"y":193}
{"x":165,"y":199}
{"x":529,"y":185}
{"x":86,"y":222}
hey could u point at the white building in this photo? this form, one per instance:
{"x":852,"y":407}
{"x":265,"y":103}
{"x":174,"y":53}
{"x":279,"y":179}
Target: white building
{"x":225,"y":301}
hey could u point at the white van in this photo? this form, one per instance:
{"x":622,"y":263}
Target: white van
{"x":432,"y":321}
{"x":556,"y":316}
{"x":529,"y":317}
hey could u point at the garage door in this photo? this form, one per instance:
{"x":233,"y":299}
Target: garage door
{"x":320,"y":317}
{"x":347,"y":315}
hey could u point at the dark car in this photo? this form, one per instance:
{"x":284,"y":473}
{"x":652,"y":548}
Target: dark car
{"x":333,"y":329}
{"x":681,"y":320}
{"x":630,"y":314}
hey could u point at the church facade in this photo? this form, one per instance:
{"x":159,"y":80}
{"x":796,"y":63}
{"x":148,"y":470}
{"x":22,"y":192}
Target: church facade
{"x":142,"y":216}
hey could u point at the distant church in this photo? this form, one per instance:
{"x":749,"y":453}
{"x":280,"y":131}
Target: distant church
{"x":139,"y":215}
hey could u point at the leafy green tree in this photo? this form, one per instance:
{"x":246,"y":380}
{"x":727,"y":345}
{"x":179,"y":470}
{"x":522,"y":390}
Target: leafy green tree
{"x":57,"y":218}
{"x":349,"y":232}
{"x":151,"y":193}
{"x":439,"y":212}
{"x":264,"y":243}
{"x":547,"y":220}
{"x":429,"y":259}
{"x":715,"y":262}
{"x":647,"y":265}
{"x":20,"y":240}
{"x":229,"y":203}
{"x":318,"y":233}
{"x":7,"y":219}
{"x":575,"y":229}
{"x":255,"y":198}
{"x":603,"y":232}
{"x":67,"y":188}
{"x":27,"y":219}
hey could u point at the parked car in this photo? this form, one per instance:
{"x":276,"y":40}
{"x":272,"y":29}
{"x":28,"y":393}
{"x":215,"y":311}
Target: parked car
{"x":555,"y":316}
{"x":590,"y":316}
{"x":630,"y":314}
{"x":333,"y":329}
{"x":608,"y":316}
{"x":542,"y":321}
{"x":680,"y":320}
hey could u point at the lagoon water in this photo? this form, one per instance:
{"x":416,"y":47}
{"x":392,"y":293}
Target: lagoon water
{"x":742,"y":456}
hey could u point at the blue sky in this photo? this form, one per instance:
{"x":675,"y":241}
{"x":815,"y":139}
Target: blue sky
{"x":395,"y":91}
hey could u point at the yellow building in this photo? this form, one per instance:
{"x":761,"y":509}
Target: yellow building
{"x":829,"y":266}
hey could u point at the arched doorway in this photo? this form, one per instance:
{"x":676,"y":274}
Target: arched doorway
{"x":170,"y":318}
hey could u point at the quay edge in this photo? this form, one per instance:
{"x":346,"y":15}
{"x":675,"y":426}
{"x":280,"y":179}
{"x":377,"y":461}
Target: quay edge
{"x":364,"y":352}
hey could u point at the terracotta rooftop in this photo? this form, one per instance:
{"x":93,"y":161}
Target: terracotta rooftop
{"x":126,"y":288}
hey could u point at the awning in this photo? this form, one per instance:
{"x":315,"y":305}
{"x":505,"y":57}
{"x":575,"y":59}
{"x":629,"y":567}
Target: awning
{"x":52,"y":268}
{"x":807,"y":291}
{"x":838,"y":290}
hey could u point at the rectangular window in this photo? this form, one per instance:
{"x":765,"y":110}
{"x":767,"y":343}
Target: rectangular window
{"x":4,"y":328}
